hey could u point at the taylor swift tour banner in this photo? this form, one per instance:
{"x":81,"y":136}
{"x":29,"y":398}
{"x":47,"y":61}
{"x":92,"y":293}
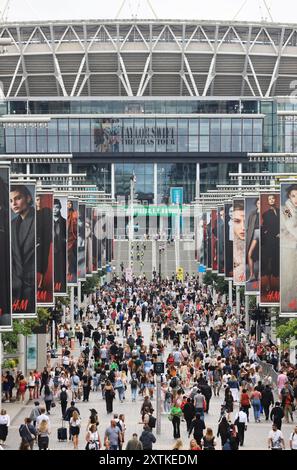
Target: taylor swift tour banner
{"x":252,"y":244}
{"x":228,"y":240}
{"x":220,"y":239}
{"x":269,"y":248}
{"x":44,"y":249}
{"x":214,"y":240}
{"x":288,"y":249}
{"x":5,"y":252}
{"x":72,"y":233}
{"x":23,"y":249}
{"x":238,"y":242}
{"x":89,"y":242}
{"x":81,"y":243}
{"x":60,"y":245}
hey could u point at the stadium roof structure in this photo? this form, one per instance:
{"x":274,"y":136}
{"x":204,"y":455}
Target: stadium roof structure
{"x":135,"y":58}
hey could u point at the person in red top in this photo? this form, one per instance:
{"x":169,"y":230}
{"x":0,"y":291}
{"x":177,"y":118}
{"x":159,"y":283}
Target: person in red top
{"x":194,"y":445}
{"x":245,"y":402}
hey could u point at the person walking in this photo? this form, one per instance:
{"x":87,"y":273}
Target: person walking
{"x":223,"y":430}
{"x":109,"y":396}
{"x":241,"y":424}
{"x":147,"y":438}
{"x":197,"y":426}
{"x":27,"y":433}
{"x":48,"y":398}
{"x":75,"y":423}
{"x":189,"y":412}
{"x":267,"y":400}
{"x":256,"y":403}
{"x":293,"y":439}
{"x":175,"y":415}
{"x":43,"y":435}
{"x":4,"y":425}
{"x":208,"y":441}
{"x":276,"y":415}
{"x":113,"y":436}
{"x":276,"y":439}
{"x":63,"y":401}
{"x":93,"y":438}
{"x":134,"y":443}
{"x":245,"y":402}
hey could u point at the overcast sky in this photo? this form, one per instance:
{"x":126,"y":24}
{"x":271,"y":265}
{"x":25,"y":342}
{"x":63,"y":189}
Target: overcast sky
{"x":253,"y":10}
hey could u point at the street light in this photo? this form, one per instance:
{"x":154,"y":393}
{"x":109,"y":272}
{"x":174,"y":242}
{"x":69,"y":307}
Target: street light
{"x":162,"y":248}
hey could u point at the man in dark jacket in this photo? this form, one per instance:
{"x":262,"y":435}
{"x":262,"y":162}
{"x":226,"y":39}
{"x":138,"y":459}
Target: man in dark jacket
{"x":147,"y":438}
{"x":277,"y":415}
{"x":69,"y":413}
{"x":28,"y":433}
{"x":198,"y":425}
{"x":267,"y":400}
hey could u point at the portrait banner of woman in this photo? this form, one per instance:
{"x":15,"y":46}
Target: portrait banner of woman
{"x":252,"y":244}
{"x":5,"y":252}
{"x":44,"y":252}
{"x":220,"y":239}
{"x":72,"y":222}
{"x":238,"y":242}
{"x":89,"y":242}
{"x":288,"y":249}
{"x":60,"y":245}
{"x":95,"y":216}
{"x":81,"y":243}
{"x":214,"y":240}
{"x":208,"y":242}
{"x":228,"y":241}
{"x":23,"y":249}
{"x":269,"y":248}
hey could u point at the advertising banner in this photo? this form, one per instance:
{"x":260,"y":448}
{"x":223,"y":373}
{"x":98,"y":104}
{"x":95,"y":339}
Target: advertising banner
{"x":81,"y":243}
{"x":269,"y":249}
{"x":44,"y":249}
{"x":208,"y":236}
{"x":288,"y":249}
{"x":252,"y":244}
{"x":5,"y":252}
{"x":60,"y":245}
{"x":214,"y":240}
{"x":228,"y":241}
{"x":220,"y":239}
{"x":238,"y":242}
{"x":72,"y":234}
{"x":94,"y":241}
{"x":89,"y":242}
{"x":23,"y":249}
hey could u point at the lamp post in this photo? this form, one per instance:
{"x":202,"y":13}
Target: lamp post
{"x":161,"y":250}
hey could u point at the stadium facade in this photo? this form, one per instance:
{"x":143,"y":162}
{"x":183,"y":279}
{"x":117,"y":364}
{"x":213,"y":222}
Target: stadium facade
{"x":179,"y":103}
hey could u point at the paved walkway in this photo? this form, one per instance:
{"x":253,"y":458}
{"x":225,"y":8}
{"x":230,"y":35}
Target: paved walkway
{"x":256,"y":435}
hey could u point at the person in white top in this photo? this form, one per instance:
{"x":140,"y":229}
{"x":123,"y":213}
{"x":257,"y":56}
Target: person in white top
{"x":4,"y":425}
{"x":241,"y":423}
{"x":276,"y":439}
{"x":293,"y":439}
{"x":43,"y":417}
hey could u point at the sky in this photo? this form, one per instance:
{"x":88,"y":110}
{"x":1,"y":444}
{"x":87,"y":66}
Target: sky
{"x":242,"y":10}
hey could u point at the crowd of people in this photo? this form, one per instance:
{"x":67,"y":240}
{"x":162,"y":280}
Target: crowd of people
{"x":207,"y":353}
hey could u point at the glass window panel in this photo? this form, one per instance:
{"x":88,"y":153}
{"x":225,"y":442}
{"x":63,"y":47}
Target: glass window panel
{"x":215,"y":128}
{"x":183,"y":127}
{"x":84,"y":126}
{"x":53,"y":144}
{"x":204,"y":126}
{"x":193,"y":143}
{"x":257,"y":143}
{"x":150,"y":135}
{"x":236,"y":126}
{"x":20,"y":146}
{"x":63,"y":126}
{"x":226,"y":126}
{"x":183,"y":143}
{"x":85,"y":145}
{"x":20,"y":131}
{"x":52,"y":127}
{"x":63,"y":143}
{"x":171,"y":107}
{"x":247,"y":126}
{"x":74,"y":126}
{"x":236,"y":143}
{"x":226,"y":143}
{"x":74,"y":142}
{"x":257,"y":126}
{"x":31,"y":143}
{"x":247,"y":143}
{"x":42,"y":144}
{"x":193,"y":127}
{"x":204,"y":143}
{"x":86,"y":107}
{"x":215,"y":143}
{"x":10,"y":144}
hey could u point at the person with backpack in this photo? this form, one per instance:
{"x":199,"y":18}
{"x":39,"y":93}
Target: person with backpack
{"x":28,"y":433}
{"x":63,"y":401}
{"x":134,"y":385}
{"x":208,"y":441}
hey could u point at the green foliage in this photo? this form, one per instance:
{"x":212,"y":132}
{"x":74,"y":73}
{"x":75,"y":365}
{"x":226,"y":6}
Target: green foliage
{"x":287,"y":330}
{"x":218,"y":282}
{"x":23,"y":327}
{"x":89,"y":286}
{"x":10,"y":363}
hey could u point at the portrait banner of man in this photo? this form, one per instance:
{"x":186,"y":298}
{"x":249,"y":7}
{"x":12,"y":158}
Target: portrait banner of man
{"x":228,"y":241}
{"x":23,"y":249}
{"x":81,"y":243}
{"x":44,"y":249}
{"x":72,"y":234}
{"x":220,"y":239}
{"x":94,"y":241}
{"x":60,"y":245}
{"x":238,"y":242}
{"x":214,"y":240}
{"x":5,"y":252}
{"x":288,"y":248}
{"x":269,"y":249}
{"x":252,"y":244}
{"x":109,"y":234}
{"x":89,"y":242}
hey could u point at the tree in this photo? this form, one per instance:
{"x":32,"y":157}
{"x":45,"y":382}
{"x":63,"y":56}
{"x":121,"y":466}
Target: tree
{"x":218,"y":282}
{"x":287,"y":331}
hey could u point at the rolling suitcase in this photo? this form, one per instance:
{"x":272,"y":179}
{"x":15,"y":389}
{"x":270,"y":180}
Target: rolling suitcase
{"x":62,"y":433}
